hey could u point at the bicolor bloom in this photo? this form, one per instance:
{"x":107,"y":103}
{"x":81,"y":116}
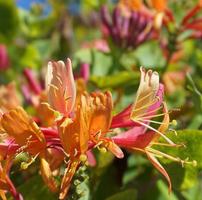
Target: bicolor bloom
{"x":82,"y":123}
{"x":140,"y":116}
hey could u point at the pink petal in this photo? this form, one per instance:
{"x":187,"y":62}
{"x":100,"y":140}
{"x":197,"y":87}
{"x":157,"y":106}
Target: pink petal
{"x":134,"y":138}
{"x":122,"y":119}
{"x":61,"y":87}
{"x":91,"y":158}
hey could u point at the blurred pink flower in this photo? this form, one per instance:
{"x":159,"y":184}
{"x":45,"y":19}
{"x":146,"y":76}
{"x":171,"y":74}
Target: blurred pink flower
{"x":4,"y":58}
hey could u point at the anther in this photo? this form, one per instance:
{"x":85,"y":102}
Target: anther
{"x":174,"y":122}
{"x":103,"y":150}
{"x":82,"y":157}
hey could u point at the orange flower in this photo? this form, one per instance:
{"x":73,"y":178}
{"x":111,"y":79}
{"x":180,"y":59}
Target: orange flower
{"x":79,"y":122}
{"x":132,"y":4}
{"x":158,"y":5}
{"x":19,"y":126}
{"x":23,"y":129}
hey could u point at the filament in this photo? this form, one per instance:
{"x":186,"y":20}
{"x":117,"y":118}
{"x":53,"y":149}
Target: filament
{"x":153,"y":129}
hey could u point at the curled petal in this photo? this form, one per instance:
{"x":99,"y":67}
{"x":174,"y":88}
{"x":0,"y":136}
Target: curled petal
{"x":23,"y":129}
{"x":146,"y":94}
{"x":44,"y":112}
{"x":91,"y":158}
{"x":134,"y":138}
{"x":76,"y":132}
{"x":69,"y":173}
{"x":115,"y":149}
{"x":160,"y":168}
{"x":47,"y":175}
{"x":61,"y":87}
{"x":101,"y":112}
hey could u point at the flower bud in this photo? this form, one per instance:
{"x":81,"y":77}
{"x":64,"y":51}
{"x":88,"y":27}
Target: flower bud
{"x":4,"y":58}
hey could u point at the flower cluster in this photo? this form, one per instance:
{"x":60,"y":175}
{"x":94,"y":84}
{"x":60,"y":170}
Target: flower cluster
{"x":71,"y":122}
{"x":127,"y":31}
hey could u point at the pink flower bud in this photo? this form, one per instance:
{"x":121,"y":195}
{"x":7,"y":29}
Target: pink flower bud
{"x":4,"y":59}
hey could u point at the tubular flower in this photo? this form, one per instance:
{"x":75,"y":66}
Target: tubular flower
{"x":127,"y":32}
{"x":60,"y":86}
{"x":80,"y":121}
{"x":19,"y":133}
{"x":156,"y":9}
{"x":139,"y":116}
{"x":133,"y":5}
{"x":18,"y":125}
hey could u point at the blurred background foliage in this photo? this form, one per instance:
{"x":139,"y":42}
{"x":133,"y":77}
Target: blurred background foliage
{"x":35,"y":32}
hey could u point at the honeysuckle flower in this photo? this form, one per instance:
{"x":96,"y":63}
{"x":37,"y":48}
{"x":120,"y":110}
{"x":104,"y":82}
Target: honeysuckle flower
{"x":139,"y":116}
{"x":149,"y":94}
{"x":154,"y":8}
{"x":80,"y":121}
{"x":127,"y":32}
{"x":61,"y":89}
{"x":24,"y":136}
{"x":18,"y":125}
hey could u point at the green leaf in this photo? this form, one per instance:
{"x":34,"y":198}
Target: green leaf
{"x":150,"y":55}
{"x":115,"y":81}
{"x":129,"y":194}
{"x":100,"y":62}
{"x":34,"y":188}
{"x":191,"y":140}
{"x":8,"y":20}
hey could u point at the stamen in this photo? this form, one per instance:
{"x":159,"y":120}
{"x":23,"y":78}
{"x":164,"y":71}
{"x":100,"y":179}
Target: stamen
{"x":83,"y":158}
{"x":59,"y":79}
{"x":153,"y":116}
{"x":102,"y":150}
{"x":174,"y":122}
{"x":186,"y":161}
{"x":147,"y":113}
{"x":64,"y":92}
{"x":144,"y":97}
{"x":53,"y":86}
{"x":66,"y":99}
{"x":166,"y":144}
{"x":152,"y":121}
{"x":25,"y":165}
{"x":153,"y":129}
{"x":173,"y":130}
{"x":75,"y":152}
{"x":146,"y":105}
